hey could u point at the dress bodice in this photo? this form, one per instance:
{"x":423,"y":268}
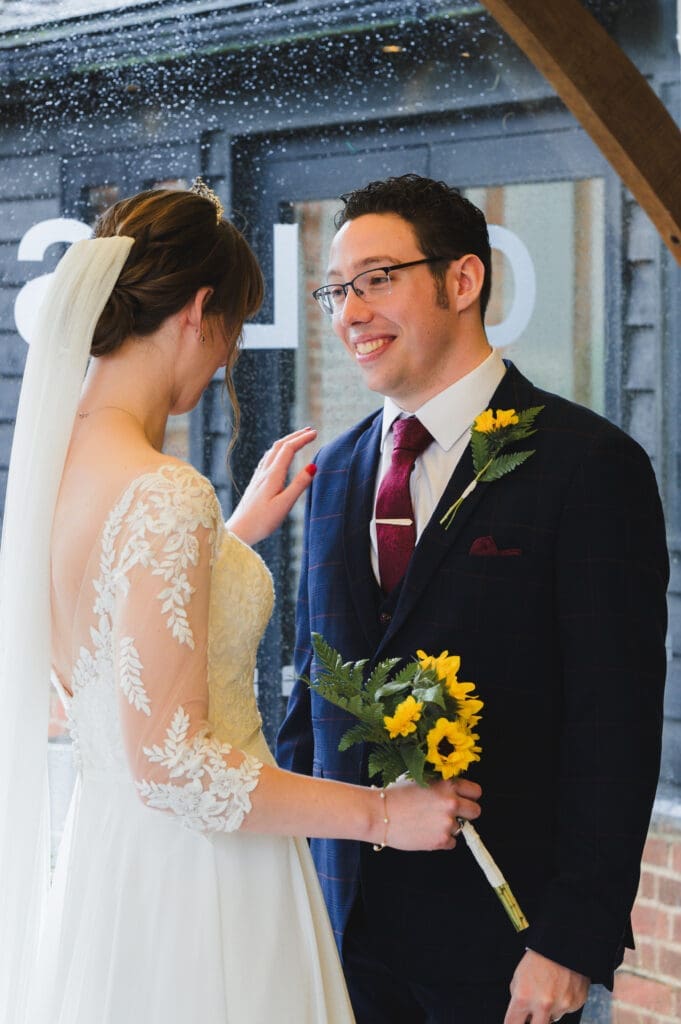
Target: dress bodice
{"x":240,"y":606}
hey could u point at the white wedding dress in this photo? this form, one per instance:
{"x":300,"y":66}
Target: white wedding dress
{"x":161,"y":910}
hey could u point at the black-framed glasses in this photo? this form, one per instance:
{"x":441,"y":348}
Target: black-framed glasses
{"x":369,"y":285}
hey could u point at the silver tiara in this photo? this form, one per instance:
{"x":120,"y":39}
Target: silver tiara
{"x":200,"y":188}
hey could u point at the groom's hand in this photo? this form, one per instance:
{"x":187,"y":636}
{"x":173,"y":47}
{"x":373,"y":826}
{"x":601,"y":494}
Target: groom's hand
{"x":542,"y":991}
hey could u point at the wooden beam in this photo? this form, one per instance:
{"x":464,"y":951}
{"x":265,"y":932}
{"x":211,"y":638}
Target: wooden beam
{"x":609,"y":96}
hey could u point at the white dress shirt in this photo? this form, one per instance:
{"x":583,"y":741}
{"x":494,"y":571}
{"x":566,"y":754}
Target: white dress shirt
{"x":448,"y":416}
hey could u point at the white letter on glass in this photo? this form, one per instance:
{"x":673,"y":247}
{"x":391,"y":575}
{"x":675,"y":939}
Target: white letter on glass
{"x":524,"y":287}
{"x":283,"y":333}
{"x":33,"y":247}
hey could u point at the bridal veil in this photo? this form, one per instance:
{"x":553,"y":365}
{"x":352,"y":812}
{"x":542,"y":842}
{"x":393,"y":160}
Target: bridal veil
{"x":55,"y":368}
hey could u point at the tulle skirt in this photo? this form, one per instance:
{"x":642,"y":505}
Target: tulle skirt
{"x":150,"y":923}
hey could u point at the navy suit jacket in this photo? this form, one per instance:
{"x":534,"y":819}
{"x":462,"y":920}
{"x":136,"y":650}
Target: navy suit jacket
{"x":565,"y":641}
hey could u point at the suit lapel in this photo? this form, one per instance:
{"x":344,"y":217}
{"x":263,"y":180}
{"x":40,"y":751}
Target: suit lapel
{"x":435,"y":541}
{"x":359,"y":497}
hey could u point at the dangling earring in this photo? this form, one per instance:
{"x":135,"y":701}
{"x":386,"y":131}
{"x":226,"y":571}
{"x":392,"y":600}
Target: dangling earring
{"x":202,"y":337}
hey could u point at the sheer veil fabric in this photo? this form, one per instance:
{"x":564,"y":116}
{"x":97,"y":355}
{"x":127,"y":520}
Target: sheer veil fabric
{"x":55,"y":368}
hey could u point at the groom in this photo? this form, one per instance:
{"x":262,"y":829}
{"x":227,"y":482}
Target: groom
{"x":550,"y":584}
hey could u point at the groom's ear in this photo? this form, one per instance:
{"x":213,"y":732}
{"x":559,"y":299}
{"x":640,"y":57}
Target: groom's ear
{"x":465,"y":279}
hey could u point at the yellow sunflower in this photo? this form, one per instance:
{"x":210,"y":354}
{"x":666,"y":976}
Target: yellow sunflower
{"x":469,"y":704}
{"x":468,"y":710}
{"x":403,"y":722}
{"x":451,"y":747}
{"x":487,"y":422}
{"x":446,"y":666}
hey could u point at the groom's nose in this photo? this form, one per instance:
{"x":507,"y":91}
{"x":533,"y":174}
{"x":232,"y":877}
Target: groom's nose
{"x":354,"y":310}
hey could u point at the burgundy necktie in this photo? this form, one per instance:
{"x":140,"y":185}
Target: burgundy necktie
{"x":396,"y":538}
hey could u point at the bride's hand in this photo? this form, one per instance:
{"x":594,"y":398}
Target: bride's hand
{"x":268,"y":499}
{"x":425,"y":818}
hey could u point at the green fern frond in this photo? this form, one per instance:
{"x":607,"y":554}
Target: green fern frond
{"x":379,"y":676}
{"x":479,"y":449}
{"x":504,"y":464}
{"x":527,"y":417}
{"x":387,"y":763}
{"x":363,"y":732}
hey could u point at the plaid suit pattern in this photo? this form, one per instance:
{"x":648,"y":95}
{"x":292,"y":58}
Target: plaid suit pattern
{"x":565,"y":643}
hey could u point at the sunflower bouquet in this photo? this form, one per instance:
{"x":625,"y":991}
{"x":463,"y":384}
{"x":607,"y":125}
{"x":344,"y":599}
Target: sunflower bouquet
{"x":420,"y":724}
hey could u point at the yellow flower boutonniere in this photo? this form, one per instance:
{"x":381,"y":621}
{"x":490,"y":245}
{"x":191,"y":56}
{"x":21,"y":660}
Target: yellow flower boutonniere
{"x":490,"y":434}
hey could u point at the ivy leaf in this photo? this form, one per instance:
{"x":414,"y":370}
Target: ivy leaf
{"x":431,"y":695}
{"x":415,"y":760}
{"x":388,"y":689}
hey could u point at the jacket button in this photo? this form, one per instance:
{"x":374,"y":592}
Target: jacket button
{"x":384,"y":618}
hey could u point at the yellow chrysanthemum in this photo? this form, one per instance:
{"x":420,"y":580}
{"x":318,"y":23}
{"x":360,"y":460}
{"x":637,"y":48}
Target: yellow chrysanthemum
{"x":403,"y":722}
{"x":451,"y":747}
{"x":487,"y":422}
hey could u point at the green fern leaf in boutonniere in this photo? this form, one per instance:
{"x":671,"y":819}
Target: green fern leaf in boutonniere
{"x":490,"y":434}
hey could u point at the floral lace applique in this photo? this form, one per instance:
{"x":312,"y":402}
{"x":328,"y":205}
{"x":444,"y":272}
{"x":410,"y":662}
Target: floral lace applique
{"x":219,"y":806}
{"x":129,"y":676}
{"x":173,"y":508}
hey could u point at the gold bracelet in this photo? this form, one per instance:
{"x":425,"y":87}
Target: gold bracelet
{"x":386,"y":821}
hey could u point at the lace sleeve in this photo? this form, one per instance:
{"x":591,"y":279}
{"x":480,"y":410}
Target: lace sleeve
{"x":161,"y":551}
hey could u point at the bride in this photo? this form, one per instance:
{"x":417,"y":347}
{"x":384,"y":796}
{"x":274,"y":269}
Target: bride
{"x":183,"y":888}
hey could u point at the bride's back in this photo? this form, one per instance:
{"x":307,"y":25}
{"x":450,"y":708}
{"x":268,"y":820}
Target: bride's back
{"x":105,"y":455}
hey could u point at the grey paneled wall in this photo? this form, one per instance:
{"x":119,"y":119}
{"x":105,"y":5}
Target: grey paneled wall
{"x":29,"y":192}
{"x":644,"y":411}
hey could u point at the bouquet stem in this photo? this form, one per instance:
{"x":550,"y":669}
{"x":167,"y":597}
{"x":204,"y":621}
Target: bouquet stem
{"x":493,"y":875}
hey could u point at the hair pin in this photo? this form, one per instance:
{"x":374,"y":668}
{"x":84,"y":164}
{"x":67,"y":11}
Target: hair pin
{"x":199,"y":188}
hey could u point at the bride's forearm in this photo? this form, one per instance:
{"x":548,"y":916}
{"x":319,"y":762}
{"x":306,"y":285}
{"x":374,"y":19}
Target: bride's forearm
{"x":284,"y":803}
{"x":408,"y":817}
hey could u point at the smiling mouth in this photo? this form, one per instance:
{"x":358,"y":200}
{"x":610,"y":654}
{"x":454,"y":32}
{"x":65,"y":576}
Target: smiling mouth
{"x":366,"y":348}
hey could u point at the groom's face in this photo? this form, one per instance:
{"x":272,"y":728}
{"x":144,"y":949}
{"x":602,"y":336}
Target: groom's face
{"x":405,"y":342}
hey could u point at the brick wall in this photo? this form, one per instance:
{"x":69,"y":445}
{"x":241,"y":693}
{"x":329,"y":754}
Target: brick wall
{"x":648,"y":985}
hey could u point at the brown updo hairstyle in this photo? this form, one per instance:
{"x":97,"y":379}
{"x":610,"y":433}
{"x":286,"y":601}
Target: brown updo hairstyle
{"x":179,"y":247}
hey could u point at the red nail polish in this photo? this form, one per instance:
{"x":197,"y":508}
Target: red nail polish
{"x":311,"y":469}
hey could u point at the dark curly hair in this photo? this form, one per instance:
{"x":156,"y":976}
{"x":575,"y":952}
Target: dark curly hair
{"x":445,"y":222}
{"x":180,"y":246}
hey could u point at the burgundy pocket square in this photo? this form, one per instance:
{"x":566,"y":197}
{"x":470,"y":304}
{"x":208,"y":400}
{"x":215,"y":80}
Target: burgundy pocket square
{"x":488,"y":546}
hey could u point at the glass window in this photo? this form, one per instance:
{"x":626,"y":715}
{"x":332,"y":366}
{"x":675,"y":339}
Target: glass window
{"x":97,"y":199}
{"x":561,"y":224}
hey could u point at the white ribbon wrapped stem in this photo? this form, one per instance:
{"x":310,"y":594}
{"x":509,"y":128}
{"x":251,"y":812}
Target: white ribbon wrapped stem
{"x":493,"y":875}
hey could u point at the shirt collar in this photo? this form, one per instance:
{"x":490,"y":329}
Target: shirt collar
{"x":450,"y":413}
